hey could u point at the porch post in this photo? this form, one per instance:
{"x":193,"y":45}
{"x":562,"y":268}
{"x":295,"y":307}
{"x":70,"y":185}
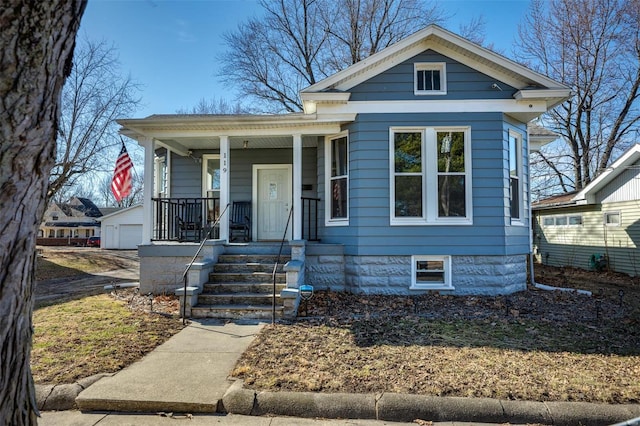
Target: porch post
{"x":297,"y":186}
{"x":147,"y":191}
{"x":224,"y":186}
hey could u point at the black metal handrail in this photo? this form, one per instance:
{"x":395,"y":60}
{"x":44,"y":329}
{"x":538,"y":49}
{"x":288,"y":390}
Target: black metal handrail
{"x":310,"y":218}
{"x":184,"y":219}
{"x":195,"y":256}
{"x":275,"y":268}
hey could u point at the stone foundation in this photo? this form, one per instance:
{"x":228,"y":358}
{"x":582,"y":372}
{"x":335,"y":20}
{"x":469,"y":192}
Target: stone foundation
{"x":471,"y":275}
{"x":162,"y":266}
{"x":325,"y":267}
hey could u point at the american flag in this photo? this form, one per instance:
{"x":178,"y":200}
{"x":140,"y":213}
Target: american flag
{"x":121,"y":182}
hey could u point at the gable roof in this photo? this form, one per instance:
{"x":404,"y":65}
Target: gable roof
{"x":530,"y":84}
{"x":119,"y":212}
{"x":588,"y":194}
{"x":555,"y":201}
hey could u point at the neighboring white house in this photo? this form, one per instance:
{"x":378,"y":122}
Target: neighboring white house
{"x":603,"y":219}
{"x":122,"y":229}
{"x":74,"y":220}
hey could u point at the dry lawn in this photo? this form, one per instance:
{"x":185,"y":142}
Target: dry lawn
{"x":61,"y":263}
{"x":536,"y":345}
{"x":98,"y":334}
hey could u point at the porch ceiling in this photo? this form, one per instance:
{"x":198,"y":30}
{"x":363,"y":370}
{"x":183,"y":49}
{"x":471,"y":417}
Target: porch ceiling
{"x":235,"y":142}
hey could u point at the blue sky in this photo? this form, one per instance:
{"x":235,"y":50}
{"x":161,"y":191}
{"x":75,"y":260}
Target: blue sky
{"x":170,"y":46}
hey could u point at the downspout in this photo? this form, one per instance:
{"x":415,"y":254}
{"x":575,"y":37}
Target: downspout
{"x":531,"y":255}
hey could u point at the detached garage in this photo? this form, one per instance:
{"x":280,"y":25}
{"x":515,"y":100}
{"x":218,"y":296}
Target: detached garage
{"x":123,"y":229}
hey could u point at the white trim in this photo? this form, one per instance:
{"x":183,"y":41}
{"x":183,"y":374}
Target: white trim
{"x":441,"y":105}
{"x":447,"y":279}
{"x":225,"y":185}
{"x":430,"y":66}
{"x":440,"y":40}
{"x":588,"y":193}
{"x":254,"y":195}
{"x":297,"y":187}
{"x":612,"y":212}
{"x":520,"y":221}
{"x":328,"y":221}
{"x":148,"y":189}
{"x":566,"y":216}
{"x":430,"y":178}
{"x":415,"y":220}
{"x":205,"y":158}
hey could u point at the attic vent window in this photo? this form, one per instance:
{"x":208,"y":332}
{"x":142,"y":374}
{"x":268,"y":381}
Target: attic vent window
{"x":430,"y":78}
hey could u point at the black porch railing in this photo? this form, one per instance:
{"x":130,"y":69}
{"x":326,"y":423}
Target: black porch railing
{"x":185,"y":219}
{"x":189,"y":219}
{"x":310,"y":218}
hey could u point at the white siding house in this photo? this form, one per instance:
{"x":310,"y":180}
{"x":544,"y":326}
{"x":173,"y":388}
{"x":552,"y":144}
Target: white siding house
{"x":122,"y":230}
{"x":601,"y":220}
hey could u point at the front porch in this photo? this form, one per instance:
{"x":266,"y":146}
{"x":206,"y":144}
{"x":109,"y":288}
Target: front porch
{"x":192,"y":220}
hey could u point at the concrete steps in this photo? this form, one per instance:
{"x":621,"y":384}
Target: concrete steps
{"x":241,"y":284}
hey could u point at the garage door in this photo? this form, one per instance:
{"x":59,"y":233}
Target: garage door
{"x":130,"y":236}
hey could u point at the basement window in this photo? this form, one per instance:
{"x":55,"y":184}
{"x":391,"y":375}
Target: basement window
{"x":431,"y":273}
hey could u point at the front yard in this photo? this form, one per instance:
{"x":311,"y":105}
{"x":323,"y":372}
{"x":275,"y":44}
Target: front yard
{"x":537,"y":345}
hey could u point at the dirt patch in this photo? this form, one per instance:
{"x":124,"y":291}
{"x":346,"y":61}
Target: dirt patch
{"x":535,"y":345}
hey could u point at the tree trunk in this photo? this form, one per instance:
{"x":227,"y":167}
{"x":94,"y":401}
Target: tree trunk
{"x":36,"y":49}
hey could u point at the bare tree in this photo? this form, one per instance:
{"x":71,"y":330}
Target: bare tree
{"x":102,"y":192}
{"x":36,"y":49}
{"x":360,"y":28}
{"x":95,"y":94}
{"x":215,"y":106}
{"x":592,"y":46}
{"x":299,"y":42}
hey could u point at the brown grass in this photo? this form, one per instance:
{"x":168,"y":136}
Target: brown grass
{"x":74,"y":262}
{"x":543,"y":346}
{"x":96,"y":334}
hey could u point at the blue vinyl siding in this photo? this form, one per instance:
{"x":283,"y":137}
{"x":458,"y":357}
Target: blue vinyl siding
{"x":369,"y":231}
{"x":462,"y":83}
{"x":517,"y":236}
{"x":186,"y":174}
{"x":186,"y":177}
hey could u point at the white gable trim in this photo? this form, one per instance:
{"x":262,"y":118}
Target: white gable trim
{"x":441,"y":41}
{"x":588,"y":193}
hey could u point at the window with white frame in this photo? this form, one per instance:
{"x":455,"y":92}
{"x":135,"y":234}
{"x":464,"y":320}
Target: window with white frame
{"x":161,"y":176}
{"x":515,"y":176}
{"x":430,"y":175}
{"x":612,"y":218}
{"x":430,"y":78}
{"x":337,"y":178}
{"x":562,"y":220}
{"x":431,"y":273}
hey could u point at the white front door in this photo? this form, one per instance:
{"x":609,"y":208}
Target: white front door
{"x":272,"y":195}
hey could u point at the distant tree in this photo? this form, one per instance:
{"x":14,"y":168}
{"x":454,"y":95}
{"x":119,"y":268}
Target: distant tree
{"x":104,"y":196}
{"x":36,"y":50}
{"x":215,"y":106}
{"x":95,"y":94}
{"x":592,"y":46}
{"x":299,"y":42}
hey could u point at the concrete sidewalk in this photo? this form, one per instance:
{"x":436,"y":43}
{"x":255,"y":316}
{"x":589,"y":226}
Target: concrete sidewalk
{"x":189,"y":374}
{"x":76,"y":418}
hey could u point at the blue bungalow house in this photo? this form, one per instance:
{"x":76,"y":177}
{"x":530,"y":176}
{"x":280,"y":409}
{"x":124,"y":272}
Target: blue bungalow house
{"x":405,"y":173}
